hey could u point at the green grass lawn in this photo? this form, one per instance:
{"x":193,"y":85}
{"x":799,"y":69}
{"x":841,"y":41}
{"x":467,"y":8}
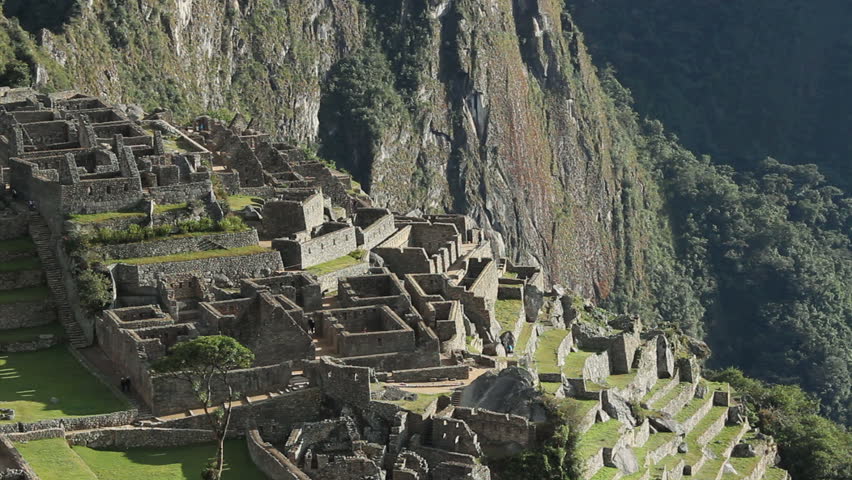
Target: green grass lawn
{"x":19,"y":264}
{"x":28,"y":294}
{"x":545,"y":355}
{"x":202,"y":254}
{"x":16,"y":245}
{"x":103,"y":217}
{"x":169,"y":207}
{"x":524,"y":338}
{"x":29,"y":380}
{"x":601,"y":435}
{"x":53,"y":459}
{"x":507,"y":313}
{"x":606,"y":473}
{"x":239,"y":202}
{"x":419,"y":405}
{"x":174,"y":463}
{"x":333,"y":265}
{"x":668,"y":397}
{"x":621,"y":380}
{"x":31,"y":333}
{"x":574,"y":363}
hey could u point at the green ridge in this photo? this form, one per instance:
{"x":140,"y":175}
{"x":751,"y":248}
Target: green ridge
{"x":53,"y":459}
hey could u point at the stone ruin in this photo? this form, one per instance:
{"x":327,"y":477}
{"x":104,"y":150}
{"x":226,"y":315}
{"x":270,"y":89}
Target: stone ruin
{"x":350,"y":310}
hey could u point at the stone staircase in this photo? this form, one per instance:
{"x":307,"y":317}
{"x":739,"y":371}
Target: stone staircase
{"x":41,"y":236}
{"x":209,"y":245}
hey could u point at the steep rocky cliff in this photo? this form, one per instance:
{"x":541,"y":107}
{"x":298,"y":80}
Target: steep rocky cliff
{"x":494,"y":107}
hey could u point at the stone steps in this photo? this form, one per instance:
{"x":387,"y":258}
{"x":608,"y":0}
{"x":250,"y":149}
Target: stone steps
{"x":41,"y":236}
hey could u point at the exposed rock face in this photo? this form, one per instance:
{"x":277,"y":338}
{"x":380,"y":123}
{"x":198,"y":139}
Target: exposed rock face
{"x":507,"y":120}
{"x":513,"y":390}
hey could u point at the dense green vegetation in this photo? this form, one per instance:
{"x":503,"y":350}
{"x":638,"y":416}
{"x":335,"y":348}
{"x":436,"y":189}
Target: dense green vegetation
{"x":811,"y":447}
{"x":761,"y":265}
{"x":557,"y":458}
{"x":136,"y":233}
{"x":738,"y":80}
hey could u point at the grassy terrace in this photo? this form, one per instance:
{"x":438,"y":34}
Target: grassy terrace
{"x":507,"y":313}
{"x":169,"y":207}
{"x":239,"y":202}
{"x":21,"y":264}
{"x":692,"y":407}
{"x":419,"y":405}
{"x":524,"y":338}
{"x":665,"y":399}
{"x":103,"y":217}
{"x":53,"y":459}
{"x":31,"y":333}
{"x":606,"y":473}
{"x":621,"y":380}
{"x":659,"y":385}
{"x":17,"y":245}
{"x":774,"y":474}
{"x":199,"y":255}
{"x":28,"y":382}
{"x":580,"y":408}
{"x":29,"y":294}
{"x":574,"y":362}
{"x":601,"y":435}
{"x":334,"y":265}
{"x":545,"y":355}
{"x":695,"y":453}
{"x":512,"y":275}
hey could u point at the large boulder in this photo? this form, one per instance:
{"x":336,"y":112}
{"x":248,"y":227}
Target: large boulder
{"x":625,"y":460}
{"x":744,"y":450}
{"x":513,"y":390}
{"x":617,"y":407}
{"x":665,"y":358}
{"x":665,"y":424}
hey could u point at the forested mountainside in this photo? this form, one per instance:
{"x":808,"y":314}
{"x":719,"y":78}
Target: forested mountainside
{"x":737,"y":80}
{"x":495,"y":109}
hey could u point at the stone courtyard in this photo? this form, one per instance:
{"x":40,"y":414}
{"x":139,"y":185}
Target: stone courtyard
{"x":386,"y":345}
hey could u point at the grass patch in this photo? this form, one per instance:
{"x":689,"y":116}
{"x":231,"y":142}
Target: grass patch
{"x":53,"y":459}
{"x":21,"y":264}
{"x":658,"y":385}
{"x":574,"y":363}
{"x":692,"y":407}
{"x":508,"y":274}
{"x":29,"y":294}
{"x":17,"y":245}
{"x":30,"y":333}
{"x":468,"y":340}
{"x":103,"y":217}
{"x":668,"y":397}
{"x":580,"y":408}
{"x":199,"y":255}
{"x":507,"y":313}
{"x":524,"y":338}
{"x":550,"y":387}
{"x":605,"y":473}
{"x":774,"y":473}
{"x":29,"y":380}
{"x":334,"y":265}
{"x":174,"y":463}
{"x":545,"y":355}
{"x":169,"y":207}
{"x":621,"y":380}
{"x":419,"y":405}
{"x":239,"y":202}
{"x":601,"y":435}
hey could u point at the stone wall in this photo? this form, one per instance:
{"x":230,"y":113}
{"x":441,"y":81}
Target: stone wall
{"x":169,"y":246}
{"x":320,"y":249}
{"x":182,"y":192}
{"x":455,"y":436}
{"x":498,"y":429}
{"x":374,"y":225}
{"x":169,"y":394}
{"x":329,"y":281}
{"x":270,"y":461}
{"x":345,"y":384}
{"x":596,"y":367}
{"x":275,"y":417}
{"x":13,"y":226}
{"x":27,"y":314}
{"x":621,"y":352}
{"x":244,"y":266}
{"x":453,"y":372}
{"x":42,"y":342}
{"x":122,"y":438}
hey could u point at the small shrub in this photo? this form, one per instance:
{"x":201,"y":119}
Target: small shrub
{"x":95,"y":290}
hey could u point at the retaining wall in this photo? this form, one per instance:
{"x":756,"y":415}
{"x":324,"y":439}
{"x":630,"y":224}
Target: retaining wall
{"x":169,"y":246}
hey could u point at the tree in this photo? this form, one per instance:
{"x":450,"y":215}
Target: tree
{"x":204,"y":362}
